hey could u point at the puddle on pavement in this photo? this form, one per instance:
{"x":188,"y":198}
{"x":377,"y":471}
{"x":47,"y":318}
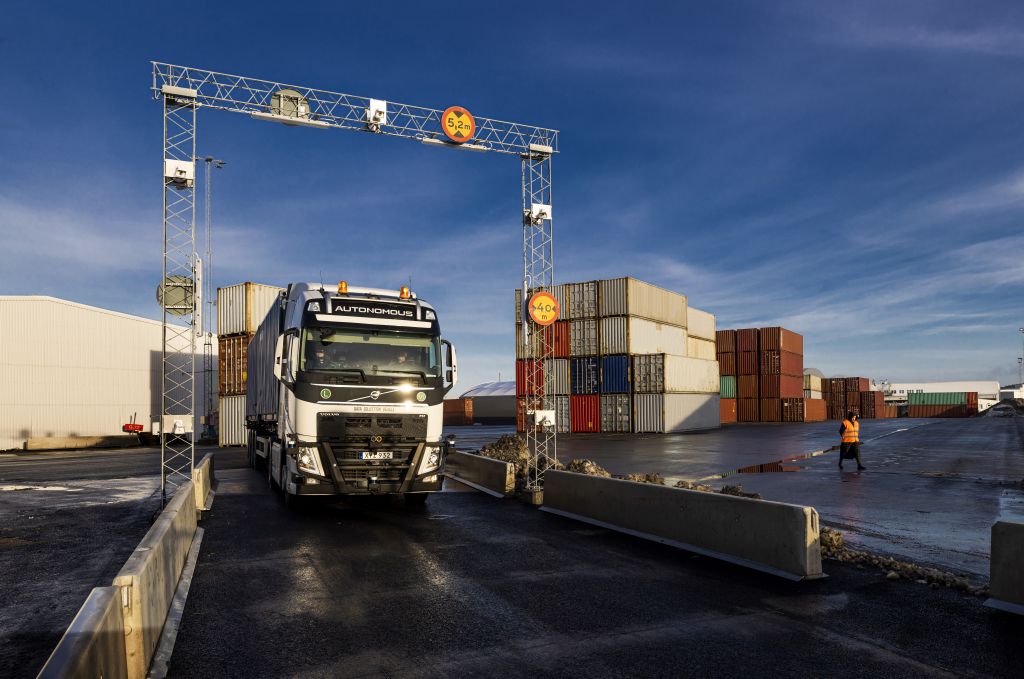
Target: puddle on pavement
{"x":779,"y":466}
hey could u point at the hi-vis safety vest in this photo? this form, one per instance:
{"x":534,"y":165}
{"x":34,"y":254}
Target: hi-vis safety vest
{"x":852,"y":432}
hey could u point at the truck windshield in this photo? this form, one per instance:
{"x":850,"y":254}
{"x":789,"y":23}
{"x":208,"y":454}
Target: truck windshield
{"x":372,"y":352}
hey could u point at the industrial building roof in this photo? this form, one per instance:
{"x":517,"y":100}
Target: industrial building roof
{"x":491,"y":389}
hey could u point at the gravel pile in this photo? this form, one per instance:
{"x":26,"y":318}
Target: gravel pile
{"x":725,"y":490}
{"x":646,"y":478}
{"x":737,"y":491}
{"x":588,"y":467}
{"x":833,"y":547}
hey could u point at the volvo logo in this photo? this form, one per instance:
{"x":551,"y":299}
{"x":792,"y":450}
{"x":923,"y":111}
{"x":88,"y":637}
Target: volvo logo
{"x":375,"y":394}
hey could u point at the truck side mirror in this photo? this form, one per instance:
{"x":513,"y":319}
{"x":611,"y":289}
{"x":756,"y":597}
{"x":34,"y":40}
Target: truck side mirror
{"x":452,"y":370}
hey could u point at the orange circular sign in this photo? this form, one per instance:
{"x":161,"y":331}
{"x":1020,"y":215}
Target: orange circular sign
{"x":458,"y":124}
{"x":543,"y":308}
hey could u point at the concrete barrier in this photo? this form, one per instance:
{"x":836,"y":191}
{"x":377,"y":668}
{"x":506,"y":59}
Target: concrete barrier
{"x":773,"y":537}
{"x":203,"y":478}
{"x":1006,"y":581}
{"x":491,"y":476}
{"x":150,"y":576}
{"x":76,"y":442}
{"x":93,"y":645}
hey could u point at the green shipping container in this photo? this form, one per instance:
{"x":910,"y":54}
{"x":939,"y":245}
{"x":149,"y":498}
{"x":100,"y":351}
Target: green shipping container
{"x":946,"y":398}
{"x":727,"y":386}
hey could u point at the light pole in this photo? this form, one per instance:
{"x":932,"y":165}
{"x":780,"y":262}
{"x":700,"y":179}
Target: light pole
{"x":209,"y":374}
{"x":1020,"y":371}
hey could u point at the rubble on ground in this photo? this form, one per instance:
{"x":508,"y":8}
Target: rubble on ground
{"x":738,"y":491}
{"x":833,"y":547}
{"x":692,"y":485}
{"x":589,"y":467}
{"x":646,"y":478}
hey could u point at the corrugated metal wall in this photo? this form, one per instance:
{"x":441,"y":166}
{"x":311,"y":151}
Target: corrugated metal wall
{"x":75,"y":370}
{"x":231,"y":425}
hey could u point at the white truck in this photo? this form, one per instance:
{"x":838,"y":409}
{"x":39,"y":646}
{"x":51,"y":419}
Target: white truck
{"x":344,"y":393}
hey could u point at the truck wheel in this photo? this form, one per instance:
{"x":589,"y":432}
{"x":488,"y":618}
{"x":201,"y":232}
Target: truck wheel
{"x":416,"y":499}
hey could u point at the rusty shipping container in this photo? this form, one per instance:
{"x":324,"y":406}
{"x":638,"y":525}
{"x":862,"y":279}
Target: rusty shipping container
{"x":857,"y":384}
{"x":780,"y":339}
{"x":727,"y":364}
{"x":529,"y":377}
{"x":746,"y":339}
{"x":782,"y":363}
{"x":781,"y":386}
{"x":771,"y":410}
{"x":792,"y":409}
{"x":725,"y":341}
{"x":872,"y":404}
{"x":748,"y":410}
{"x":458,"y":412}
{"x":556,"y":336}
{"x":746,"y":363}
{"x":727,"y":410}
{"x":524,"y":404}
{"x":233,"y":353}
{"x":585,"y":413}
{"x":814,"y":410}
{"x":746,"y":387}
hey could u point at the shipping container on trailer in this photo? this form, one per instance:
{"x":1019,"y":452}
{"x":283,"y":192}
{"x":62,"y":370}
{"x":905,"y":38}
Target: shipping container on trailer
{"x":700,"y":324}
{"x":584,"y":375}
{"x":748,"y":410}
{"x":582,"y":299}
{"x":635,"y":335}
{"x":615,"y":375}
{"x":781,"y":386}
{"x":782,"y":363}
{"x":616,"y":413}
{"x":583,"y":338}
{"x":700,"y":348}
{"x":771,"y":410}
{"x":747,"y":363}
{"x":747,"y":387}
{"x":231,"y":429}
{"x":727,"y":386}
{"x":585,"y":413}
{"x":556,"y":377}
{"x":780,"y":339}
{"x":232,"y":365}
{"x":241,"y":307}
{"x":668,"y":413}
{"x":632,"y":297}
{"x":529,"y":376}
{"x":725,"y":341}
{"x":556,"y":336}
{"x":727,"y":363}
{"x":727,"y":410}
{"x":660,"y":373}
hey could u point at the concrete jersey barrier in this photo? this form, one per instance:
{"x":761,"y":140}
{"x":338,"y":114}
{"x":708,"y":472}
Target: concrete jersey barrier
{"x":93,"y":645}
{"x":773,"y":537}
{"x":493,"y":477}
{"x":150,"y":576}
{"x":203,"y":478}
{"x":1006,"y":582}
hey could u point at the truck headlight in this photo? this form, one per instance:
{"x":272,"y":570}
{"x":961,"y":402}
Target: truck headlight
{"x":431,"y":459}
{"x":307,"y":459}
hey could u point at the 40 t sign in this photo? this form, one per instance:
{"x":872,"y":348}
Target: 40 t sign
{"x":543,"y":308}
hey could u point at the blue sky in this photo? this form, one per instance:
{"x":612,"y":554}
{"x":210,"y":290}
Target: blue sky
{"x":852,"y":171}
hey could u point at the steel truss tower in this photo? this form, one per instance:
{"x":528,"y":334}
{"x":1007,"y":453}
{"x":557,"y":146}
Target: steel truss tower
{"x":185,"y":89}
{"x":178,"y":292}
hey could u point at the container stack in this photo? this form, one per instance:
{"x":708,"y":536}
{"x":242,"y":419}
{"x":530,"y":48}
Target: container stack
{"x":943,"y":404}
{"x":853,"y":394}
{"x":458,"y":412}
{"x":240,"y":310}
{"x":627,"y":356}
{"x":767,"y":365}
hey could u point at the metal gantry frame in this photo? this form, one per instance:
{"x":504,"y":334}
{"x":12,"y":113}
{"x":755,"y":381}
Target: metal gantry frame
{"x":186,"y":89}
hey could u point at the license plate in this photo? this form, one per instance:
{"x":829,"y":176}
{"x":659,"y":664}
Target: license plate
{"x":376,"y":455}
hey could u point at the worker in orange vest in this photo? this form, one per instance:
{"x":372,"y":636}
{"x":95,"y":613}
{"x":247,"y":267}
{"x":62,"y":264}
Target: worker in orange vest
{"x":850,"y":446}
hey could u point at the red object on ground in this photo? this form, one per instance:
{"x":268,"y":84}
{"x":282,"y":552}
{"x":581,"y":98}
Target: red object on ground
{"x":748,"y":410}
{"x":727,"y":364}
{"x":746,"y":363}
{"x":771,"y":410}
{"x":585,"y":413}
{"x":780,"y":339}
{"x":746,"y":339}
{"x":727,"y":410}
{"x":529,"y":368}
{"x":781,"y":386}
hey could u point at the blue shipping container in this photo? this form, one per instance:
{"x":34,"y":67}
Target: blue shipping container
{"x":583,"y":375}
{"x":615,"y":375}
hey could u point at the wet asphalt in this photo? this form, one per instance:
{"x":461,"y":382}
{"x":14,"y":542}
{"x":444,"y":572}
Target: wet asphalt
{"x":68,"y":522}
{"x":475,"y":586}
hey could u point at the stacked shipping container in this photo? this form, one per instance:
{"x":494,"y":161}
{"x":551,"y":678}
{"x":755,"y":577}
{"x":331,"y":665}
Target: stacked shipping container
{"x":943,"y":404}
{"x":627,"y":356}
{"x":853,"y":394}
{"x":240,"y":310}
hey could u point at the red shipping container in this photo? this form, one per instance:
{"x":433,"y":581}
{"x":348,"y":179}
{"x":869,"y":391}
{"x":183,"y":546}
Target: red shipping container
{"x":748,"y":410}
{"x":585,"y":413}
{"x":792,"y":409}
{"x":871,"y":404}
{"x":771,"y":410}
{"x":892,"y":411}
{"x":727,"y":410}
{"x":556,"y":336}
{"x":857,"y":384}
{"x":746,"y":339}
{"x":746,"y":386}
{"x":725,"y":341}
{"x":814,"y":410}
{"x":782,"y":363}
{"x":780,"y":339}
{"x":746,"y":363}
{"x":458,"y":412}
{"x":727,"y":364}
{"x":972,"y":398}
{"x":531,"y":370}
{"x":524,"y":403}
{"x":781,"y":386}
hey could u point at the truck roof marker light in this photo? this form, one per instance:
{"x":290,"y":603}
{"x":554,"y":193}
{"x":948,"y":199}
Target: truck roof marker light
{"x":342,"y":287}
{"x":404,"y":293}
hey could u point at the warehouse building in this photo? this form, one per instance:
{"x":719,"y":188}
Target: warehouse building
{"x":493,"y":403}
{"x":72,"y":370}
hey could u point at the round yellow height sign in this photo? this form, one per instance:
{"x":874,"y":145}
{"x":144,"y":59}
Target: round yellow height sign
{"x":543,"y":308}
{"x":458,"y":124}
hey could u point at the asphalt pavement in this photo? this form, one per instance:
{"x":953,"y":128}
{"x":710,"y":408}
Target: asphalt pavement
{"x":474,"y":586}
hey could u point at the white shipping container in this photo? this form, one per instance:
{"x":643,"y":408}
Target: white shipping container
{"x":634,"y":335}
{"x":615,"y":413}
{"x":630,"y":297}
{"x":241,"y":307}
{"x":812,"y":382}
{"x":700,"y":324}
{"x":665,"y":373}
{"x":582,"y":300}
{"x":556,"y":376}
{"x":535,"y":341}
{"x":700,"y":348}
{"x":231,"y":429}
{"x":583,"y":338}
{"x":560,"y":404}
{"x":667,"y":413}
{"x":810,"y":393}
